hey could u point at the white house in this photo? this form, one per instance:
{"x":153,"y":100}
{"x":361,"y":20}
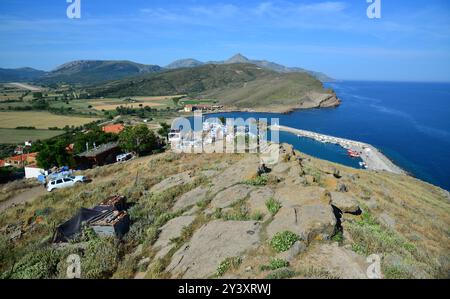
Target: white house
{"x":32,"y":172}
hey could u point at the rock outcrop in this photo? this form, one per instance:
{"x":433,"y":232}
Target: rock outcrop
{"x":230,"y":196}
{"x":335,"y":261}
{"x":344,"y":202}
{"x":175,"y":180}
{"x":258,"y":199}
{"x":170,"y":231}
{"x":306,"y":211}
{"x":211,"y":244}
{"x":190,"y":198}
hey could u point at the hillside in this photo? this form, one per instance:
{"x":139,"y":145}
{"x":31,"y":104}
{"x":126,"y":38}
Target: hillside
{"x":239,"y":58}
{"x":20,"y":74}
{"x":183,"y":63}
{"x":202,"y":216}
{"x":95,"y":71}
{"x":242,"y":86}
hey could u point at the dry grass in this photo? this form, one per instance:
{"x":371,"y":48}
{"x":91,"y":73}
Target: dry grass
{"x":419,"y":241}
{"x":40,"y":120}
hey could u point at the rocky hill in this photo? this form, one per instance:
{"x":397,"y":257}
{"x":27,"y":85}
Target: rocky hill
{"x":239,"y":58}
{"x":95,"y":71}
{"x":217,"y":215}
{"x":184,"y":63}
{"x":240,"y":86}
{"x":20,"y":74}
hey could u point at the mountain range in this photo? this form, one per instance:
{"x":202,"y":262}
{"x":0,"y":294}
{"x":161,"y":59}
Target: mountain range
{"x":235,"y":85}
{"x":91,"y":72}
{"x":239,"y":58}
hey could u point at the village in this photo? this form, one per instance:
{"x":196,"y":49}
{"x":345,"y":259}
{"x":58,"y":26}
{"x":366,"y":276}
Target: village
{"x":96,"y":155}
{"x":24,"y":161}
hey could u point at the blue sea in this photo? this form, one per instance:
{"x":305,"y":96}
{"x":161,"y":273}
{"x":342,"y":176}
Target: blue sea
{"x":408,"y":122}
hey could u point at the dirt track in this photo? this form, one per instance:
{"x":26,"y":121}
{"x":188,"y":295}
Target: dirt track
{"x":26,"y":196}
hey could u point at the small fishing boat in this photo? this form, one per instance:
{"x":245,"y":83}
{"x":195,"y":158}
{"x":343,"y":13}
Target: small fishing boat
{"x":353,"y":153}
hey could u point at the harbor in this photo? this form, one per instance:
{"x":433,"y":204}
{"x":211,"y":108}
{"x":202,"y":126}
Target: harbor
{"x":372,"y":158}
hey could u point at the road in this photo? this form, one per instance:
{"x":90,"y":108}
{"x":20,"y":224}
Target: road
{"x":25,"y":86}
{"x":21,"y":198}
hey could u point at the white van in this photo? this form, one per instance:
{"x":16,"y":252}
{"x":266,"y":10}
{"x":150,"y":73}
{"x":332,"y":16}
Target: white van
{"x":64,"y":182}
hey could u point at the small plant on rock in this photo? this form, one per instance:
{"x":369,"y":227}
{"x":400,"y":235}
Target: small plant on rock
{"x":281,"y":274}
{"x":260,"y":180}
{"x":283,"y":241}
{"x":275,"y":264}
{"x":227,"y":264}
{"x":273,"y":206}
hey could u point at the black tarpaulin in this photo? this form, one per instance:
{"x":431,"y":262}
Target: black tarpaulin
{"x":72,"y":227}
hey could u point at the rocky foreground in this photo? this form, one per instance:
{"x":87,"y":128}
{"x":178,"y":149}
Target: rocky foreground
{"x":207,"y":216}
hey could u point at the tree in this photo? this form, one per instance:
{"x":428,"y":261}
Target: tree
{"x":37,"y":95}
{"x":164,"y":130}
{"x":53,"y":153}
{"x":138,"y":139}
{"x":40,"y":105}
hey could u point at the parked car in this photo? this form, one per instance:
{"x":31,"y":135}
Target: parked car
{"x":65,"y":182}
{"x":124,"y":157}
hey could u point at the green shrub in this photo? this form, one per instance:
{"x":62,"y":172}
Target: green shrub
{"x":37,"y":264}
{"x":338,"y":237}
{"x":282,"y":241}
{"x":370,"y":236}
{"x":227,"y":264}
{"x":275,"y":264}
{"x":257,"y":216}
{"x":316,"y":273}
{"x":396,"y":272}
{"x":273,"y":206}
{"x":281,"y":274}
{"x":100,"y":259}
{"x":260,"y":180}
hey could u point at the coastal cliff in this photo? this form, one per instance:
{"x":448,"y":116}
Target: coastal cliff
{"x":320,"y":100}
{"x":311,"y":100}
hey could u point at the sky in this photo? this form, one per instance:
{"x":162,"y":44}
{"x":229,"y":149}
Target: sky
{"x":410,"y":42}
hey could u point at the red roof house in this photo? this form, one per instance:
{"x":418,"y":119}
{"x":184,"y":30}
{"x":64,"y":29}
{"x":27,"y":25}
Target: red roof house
{"x":113,"y":128}
{"x":21,"y":160}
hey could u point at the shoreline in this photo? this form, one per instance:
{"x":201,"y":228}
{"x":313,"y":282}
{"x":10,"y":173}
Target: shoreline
{"x":374,"y":158}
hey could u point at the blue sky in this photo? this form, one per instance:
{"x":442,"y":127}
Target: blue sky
{"x":411,"y":42}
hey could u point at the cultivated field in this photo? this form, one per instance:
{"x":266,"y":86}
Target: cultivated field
{"x":40,"y":120}
{"x":14,"y":136}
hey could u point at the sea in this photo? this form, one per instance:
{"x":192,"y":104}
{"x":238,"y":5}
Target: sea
{"x":408,"y":121}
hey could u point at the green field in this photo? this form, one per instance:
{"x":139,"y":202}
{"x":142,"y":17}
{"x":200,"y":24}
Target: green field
{"x":13,"y":136}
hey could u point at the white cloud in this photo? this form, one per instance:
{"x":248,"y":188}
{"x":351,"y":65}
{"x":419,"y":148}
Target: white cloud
{"x":323,"y":7}
{"x":263,"y":8}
